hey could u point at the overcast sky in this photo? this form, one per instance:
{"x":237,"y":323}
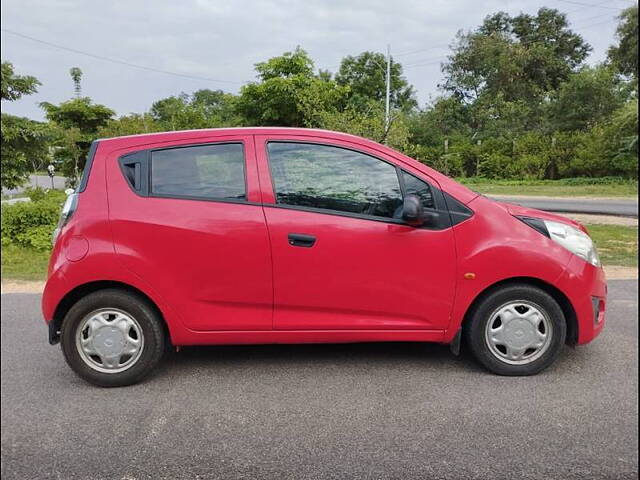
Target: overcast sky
{"x":221,"y":40}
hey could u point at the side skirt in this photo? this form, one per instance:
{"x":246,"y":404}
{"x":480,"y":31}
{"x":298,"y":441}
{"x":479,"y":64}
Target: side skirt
{"x":304,"y":336}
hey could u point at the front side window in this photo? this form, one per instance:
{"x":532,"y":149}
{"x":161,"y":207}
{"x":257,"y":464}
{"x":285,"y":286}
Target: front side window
{"x":203,"y":171}
{"x":334,"y":178}
{"x":417,"y":187}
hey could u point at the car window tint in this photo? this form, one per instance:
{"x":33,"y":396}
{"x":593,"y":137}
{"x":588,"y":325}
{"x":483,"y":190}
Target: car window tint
{"x":333,"y":178}
{"x":417,"y":187}
{"x":206,"y":171}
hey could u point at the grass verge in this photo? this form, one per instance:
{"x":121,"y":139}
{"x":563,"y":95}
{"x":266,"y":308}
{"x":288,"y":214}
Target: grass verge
{"x":616,"y":244}
{"x":22,"y":263}
{"x":569,"y":187}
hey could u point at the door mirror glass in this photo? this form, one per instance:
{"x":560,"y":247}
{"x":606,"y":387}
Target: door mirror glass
{"x":413,"y":211}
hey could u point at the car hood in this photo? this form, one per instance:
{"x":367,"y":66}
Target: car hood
{"x":520,"y":211}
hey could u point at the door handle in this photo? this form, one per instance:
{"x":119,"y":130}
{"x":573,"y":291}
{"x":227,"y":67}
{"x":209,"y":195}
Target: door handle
{"x":301,"y":240}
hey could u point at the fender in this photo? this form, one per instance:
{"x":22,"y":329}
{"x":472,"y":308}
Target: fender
{"x":481,"y":264}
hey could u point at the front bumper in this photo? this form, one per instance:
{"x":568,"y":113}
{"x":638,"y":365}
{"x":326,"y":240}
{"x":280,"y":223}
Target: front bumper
{"x":586,"y":288}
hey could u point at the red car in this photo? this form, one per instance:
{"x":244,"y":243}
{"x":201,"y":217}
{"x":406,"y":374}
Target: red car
{"x":282,"y":235}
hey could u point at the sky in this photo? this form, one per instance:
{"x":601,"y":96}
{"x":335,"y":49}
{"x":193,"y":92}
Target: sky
{"x":215,"y":44}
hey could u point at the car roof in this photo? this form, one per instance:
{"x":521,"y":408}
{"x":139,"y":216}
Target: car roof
{"x":461,"y":192}
{"x":233,"y":130}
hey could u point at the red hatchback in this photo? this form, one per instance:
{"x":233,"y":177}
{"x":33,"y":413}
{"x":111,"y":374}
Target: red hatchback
{"x":278,"y":235}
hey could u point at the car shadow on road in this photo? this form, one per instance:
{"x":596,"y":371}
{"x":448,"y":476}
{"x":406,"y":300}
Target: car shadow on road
{"x":428,"y":359}
{"x":371,"y":355}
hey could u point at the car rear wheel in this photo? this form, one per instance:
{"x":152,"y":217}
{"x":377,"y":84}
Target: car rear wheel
{"x":516,"y":330}
{"x":112,"y":338}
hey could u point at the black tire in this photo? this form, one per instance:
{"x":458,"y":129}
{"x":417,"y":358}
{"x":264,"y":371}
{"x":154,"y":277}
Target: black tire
{"x":480,"y":315}
{"x":135,"y":306}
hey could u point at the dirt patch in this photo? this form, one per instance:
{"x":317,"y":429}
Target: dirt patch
{"x":15,"y":286}
{"x":601,"y":219}
{"x":615,"y":272}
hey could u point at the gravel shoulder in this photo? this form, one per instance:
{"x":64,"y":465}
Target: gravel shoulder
{"x":601,"y":219}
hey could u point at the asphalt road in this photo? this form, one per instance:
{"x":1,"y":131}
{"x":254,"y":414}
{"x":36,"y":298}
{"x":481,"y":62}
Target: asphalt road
{"x":619,"y":207}
{"x":394,"y":411}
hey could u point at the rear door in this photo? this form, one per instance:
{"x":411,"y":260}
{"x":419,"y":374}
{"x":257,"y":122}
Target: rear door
{"x":342,"y":257}
{"x":186,"y":218}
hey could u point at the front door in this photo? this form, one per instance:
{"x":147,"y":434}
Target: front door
{"x":342,"y":258}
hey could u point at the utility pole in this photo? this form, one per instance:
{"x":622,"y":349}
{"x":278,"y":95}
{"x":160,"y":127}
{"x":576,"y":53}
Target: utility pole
{"x":387,"y":116}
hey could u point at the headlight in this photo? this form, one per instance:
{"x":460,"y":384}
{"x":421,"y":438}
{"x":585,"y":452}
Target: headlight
{"x":571,"y":238}
{"x":574,"y":240}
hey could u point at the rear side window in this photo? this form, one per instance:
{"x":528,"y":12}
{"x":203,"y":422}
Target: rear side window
{"x":334,"y":178}
{"x":203,"y":171}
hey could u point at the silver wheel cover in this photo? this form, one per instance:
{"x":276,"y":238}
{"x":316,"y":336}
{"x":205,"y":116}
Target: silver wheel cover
{"x":518,"y":332}
{"x":109,"y":340}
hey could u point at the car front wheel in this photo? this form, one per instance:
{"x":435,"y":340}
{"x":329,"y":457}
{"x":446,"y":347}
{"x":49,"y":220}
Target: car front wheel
{"x":516,"y":330}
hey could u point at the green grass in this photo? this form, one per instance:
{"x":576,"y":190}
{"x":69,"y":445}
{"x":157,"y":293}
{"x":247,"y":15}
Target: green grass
{"x":20,"y":263}
{"x":616,"y":244}
{"x":554,"y":188}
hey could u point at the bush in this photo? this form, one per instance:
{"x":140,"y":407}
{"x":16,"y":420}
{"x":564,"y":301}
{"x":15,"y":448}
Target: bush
{"x":607,"y":150}
{"x":38,"y":194}
{"x":38,"y":238}
{"x":596,"y":181}
{"x":496,"y":165}
{"x":563,"y":181}
{"x":31,"y":224}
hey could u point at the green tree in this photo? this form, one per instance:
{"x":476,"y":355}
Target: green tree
{"x":365,"y":75}
{"x":509,"y":71}
{"x":202,"y":109}
{"x":588,"y":97}
{"x":443,"y":117}
{"x":80,"y":113}
{"x":610,"y":148}
{"x":217,"y":105}
{"x":76,"y":76}
{"x":624,"y":55}
{"x":15,"y":86}
{"x":25,"y":148}
{"x":521,"y":57}
{"x":129,"y":125}
{"x":24,"y":142}
{"x":288,"y":93}
{"x":176,"y":113}
{"x":76,"y":123}
{"x":368,"y":124}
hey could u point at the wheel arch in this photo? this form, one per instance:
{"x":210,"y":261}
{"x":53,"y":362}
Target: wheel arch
{"x":87,"y":288}
{"x":562,"y":300}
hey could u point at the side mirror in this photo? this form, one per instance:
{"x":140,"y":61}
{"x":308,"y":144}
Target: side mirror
{"x":413,"y":211}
